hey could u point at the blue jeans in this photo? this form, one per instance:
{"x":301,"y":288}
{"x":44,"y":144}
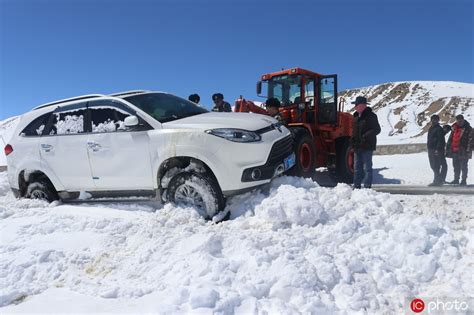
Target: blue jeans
{"x":363,"y":168}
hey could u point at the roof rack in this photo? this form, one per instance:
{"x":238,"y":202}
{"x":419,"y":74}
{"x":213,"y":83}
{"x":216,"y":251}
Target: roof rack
{"x":77,"y":98}
{"x":129,"y":92}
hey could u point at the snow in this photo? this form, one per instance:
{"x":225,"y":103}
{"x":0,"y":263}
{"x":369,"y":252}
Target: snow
{"x":295,"y":247}
{"x":106,"y":126}
{"x":70,"y":124}
{"x":410,"y":169}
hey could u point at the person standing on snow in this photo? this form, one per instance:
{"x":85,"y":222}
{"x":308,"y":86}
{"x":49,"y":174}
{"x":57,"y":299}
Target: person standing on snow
{"x":365,"y":129}
{"x":459,"y":148}
{"x":219,"y":104}
{"x":436,"y":144}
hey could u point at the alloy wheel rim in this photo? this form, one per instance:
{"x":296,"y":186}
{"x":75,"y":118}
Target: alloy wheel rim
{"x":38,"y":194}
{"x":187,"y":195}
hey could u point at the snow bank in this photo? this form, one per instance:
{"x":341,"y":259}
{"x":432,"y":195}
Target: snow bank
{"x":294,"y":248}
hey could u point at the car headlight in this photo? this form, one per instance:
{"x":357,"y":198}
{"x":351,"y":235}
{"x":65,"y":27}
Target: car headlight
{"x":235,"y":135}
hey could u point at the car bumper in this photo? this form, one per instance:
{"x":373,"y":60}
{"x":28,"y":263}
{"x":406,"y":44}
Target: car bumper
{"x":238,"y":160}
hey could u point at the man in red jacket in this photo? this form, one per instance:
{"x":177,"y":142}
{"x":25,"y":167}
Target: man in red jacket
{"x":459,"y":148}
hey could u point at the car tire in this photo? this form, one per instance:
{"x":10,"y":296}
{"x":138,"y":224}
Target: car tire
{"x":305,"y":156}
{"x":345,"y":163}
{"x":197,"y":190}
{"x":41,"y":190}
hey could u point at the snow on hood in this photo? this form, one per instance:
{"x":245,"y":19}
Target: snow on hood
{"x":246,"y":121}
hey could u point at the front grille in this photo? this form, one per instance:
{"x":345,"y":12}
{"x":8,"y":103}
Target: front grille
{"x":280,"y":150}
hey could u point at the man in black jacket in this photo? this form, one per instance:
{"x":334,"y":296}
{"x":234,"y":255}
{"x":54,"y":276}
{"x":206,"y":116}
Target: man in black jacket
{"x":436,"y":144}
{"x":365,"y":129}
{"x":219,"y":104}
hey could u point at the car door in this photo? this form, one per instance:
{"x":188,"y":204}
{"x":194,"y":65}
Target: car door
{"x":63,"y":148}
{"x":119,"y":157}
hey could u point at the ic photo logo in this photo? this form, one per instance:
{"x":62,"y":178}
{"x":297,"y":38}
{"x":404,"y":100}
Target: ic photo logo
{"x":441,"y":305}
{"x":417,"y":305}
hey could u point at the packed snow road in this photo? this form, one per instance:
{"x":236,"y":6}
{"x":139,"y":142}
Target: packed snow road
{"x":296,"y":248}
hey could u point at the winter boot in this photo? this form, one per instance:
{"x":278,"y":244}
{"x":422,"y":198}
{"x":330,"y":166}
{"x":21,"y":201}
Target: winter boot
{"x":463,"y":183}
{"x":455,"y":182}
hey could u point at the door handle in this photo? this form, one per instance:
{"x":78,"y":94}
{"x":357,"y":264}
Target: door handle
{"x":94,"y":146}
{"x":46,"y":147}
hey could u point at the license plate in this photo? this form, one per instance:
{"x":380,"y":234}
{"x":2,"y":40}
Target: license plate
{"x":289,"y":162}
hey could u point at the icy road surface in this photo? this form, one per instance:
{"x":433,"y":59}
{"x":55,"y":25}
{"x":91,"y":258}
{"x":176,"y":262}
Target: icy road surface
{"x":297,"y":248}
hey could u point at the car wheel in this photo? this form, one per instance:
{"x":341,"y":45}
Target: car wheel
{"x":197,"y":190}
{"x":41,"y":190}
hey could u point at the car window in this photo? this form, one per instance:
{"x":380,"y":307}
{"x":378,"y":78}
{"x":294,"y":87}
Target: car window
{"x":107,"y":119}
{"x":67,"y":122}
{"x":36,"y":127}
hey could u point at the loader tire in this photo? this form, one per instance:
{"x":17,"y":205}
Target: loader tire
{"x":345,"y":163}
{"x":305,"y":151}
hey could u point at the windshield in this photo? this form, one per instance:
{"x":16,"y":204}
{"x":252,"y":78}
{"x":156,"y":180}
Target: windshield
{"x":286,"y":88}
{"x":165,"y":107}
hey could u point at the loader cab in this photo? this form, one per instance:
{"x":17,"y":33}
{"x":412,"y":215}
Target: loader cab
{"x":309,"y":96}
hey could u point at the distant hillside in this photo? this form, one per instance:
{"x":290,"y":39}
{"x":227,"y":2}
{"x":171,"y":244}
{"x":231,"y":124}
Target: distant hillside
{"x":404,"y":108}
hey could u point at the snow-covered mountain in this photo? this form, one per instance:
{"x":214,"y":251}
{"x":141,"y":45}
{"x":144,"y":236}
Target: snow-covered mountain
{"x":404,"y":108}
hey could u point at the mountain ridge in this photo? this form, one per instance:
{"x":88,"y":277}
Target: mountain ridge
{"x":404,"y":108}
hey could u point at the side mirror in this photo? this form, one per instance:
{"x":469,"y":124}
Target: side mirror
{"x":259,"y":87}
{"x":131,"y":121}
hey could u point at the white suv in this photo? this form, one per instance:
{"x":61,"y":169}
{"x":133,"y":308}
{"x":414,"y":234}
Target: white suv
{"x":143,"y":143}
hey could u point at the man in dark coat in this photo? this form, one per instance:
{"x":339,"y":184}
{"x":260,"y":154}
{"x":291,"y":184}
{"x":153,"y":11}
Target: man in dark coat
{"x":365,"y":129}
{"x":436,"y":144}
{"x":219,"y":104}
{"x":272,"y":105}
{"x":459,"y":148}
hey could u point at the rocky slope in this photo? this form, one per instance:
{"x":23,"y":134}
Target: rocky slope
{"x":404,"y":108}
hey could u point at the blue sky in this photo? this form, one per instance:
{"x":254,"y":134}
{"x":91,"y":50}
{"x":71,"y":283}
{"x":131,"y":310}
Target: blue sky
{"x":57,"y":49}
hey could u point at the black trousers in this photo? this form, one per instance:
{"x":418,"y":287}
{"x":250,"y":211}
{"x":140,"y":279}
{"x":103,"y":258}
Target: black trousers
{"x":460,"y":166}
{"x":438,"y":165}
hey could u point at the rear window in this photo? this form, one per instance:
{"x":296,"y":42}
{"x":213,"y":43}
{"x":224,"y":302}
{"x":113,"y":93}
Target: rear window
{"x":36,"y":127}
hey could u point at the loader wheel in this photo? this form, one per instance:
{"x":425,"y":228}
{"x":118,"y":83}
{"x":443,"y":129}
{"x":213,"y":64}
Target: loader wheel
{"x":305,"y":157}
{"x":345,"y":163}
